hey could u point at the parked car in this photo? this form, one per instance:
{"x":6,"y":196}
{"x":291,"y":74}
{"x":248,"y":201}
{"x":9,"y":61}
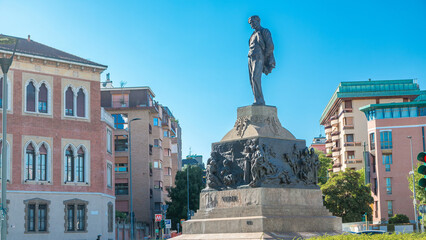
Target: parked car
{"x":371,"y":232}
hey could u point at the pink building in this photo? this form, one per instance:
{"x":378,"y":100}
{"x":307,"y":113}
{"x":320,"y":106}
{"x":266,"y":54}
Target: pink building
{"x":318,"y":143}
{"x":389,"y":125}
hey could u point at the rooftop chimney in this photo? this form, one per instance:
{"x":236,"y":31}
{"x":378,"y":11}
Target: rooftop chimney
{"x":29,"y":38}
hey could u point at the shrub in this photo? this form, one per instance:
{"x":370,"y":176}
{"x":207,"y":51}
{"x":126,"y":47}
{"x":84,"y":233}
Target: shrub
{"x":399,"y":218}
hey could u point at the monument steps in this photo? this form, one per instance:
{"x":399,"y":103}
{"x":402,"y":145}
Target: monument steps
{"x":280,"y":224}
{"x":252,"y":236}
{"x":263,"y":211}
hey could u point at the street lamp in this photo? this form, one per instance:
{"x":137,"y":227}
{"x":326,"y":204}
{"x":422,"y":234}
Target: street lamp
{"x":187,"y":188}
{"x":414,"y":183}
{"x":5,"y":65}
{"x":131,"y":193}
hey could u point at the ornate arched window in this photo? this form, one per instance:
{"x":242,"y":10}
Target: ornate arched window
{"x":42,"y":163}
{"x":81,"y":103}
{"x":31,"y":97}
{"x":42,"y":98}
{"x":30,"y":164}
{"x":80,"y":165}
{"x":69,"y":102}
{"x":69,"y":165}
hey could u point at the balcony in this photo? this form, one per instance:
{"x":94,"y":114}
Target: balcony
{"x":173,"y":129}
{"x":337,"y":164}
{"x":336,"y":132}
{"x":122,"y":103}
{"x":347,"y":127}
{"x":329,"y":155}
{"x":335,"y":154}
{"x":335,"y":149}
{"x":107,"y":118}
{"x":335,"y":137}
{"x":334,"y":121}
{"x":347,"y":110}
{"x":329,"y":144}
{"x":352,"y":144}
{"x":154,"y":107}
{"x":165,"y":122}
{"x":353,"y":161}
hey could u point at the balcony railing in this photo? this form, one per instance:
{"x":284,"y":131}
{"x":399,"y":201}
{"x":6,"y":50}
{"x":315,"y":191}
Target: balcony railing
{"x":353,"y":161}
{"x":335,"y":149}
{"x":351,"y":144}
{"x":120,"y":103}
{"x":335,"y":133}
{"x":337,"y":164}
{"x":106,"y":117}
{"x":347,"y":127}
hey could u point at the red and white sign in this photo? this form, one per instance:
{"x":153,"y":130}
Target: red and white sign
{"x":158,"y":217}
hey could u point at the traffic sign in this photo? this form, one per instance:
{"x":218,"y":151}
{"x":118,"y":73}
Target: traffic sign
{"x":158,"y":217}
{"x":168,"y":223}
{"x":422,"y":208}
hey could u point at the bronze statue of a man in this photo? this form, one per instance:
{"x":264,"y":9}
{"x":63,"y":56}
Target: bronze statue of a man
{"x":260,"y":57}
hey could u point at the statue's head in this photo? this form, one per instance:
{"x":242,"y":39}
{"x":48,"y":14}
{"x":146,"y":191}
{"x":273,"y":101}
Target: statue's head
{"x":254,"y":22}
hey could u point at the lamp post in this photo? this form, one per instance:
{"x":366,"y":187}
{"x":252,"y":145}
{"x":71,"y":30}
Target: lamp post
{"x":187,"y":187}
{"x":414,"y":183}
{"x":5,"y":64}
{"x":132,"y":222}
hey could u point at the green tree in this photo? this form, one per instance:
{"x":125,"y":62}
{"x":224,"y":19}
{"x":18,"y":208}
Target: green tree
{"x":121,"y":216}
{"x":178,"y":205}
{"x":325,"y":164}
{"x":399,"y":218}
{"x":361,"y":175}
{"x":347,"y":196}
{"x":420,"y":192}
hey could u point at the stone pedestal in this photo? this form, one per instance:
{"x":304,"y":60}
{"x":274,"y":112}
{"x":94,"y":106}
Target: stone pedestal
{"x":261,"y":184}
{"x":271,"y":213}
{"x":257,"y":121}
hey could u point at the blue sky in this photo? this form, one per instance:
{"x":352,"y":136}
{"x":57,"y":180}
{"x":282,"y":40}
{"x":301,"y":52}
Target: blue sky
{"x":193,"y":54}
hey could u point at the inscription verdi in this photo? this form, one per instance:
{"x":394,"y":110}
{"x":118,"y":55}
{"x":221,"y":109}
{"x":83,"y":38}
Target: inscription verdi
{"x":230,"y":198}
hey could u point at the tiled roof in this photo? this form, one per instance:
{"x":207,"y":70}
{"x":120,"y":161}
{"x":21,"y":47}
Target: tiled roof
{"x":37,"y":49}
{"x":382,"y":88}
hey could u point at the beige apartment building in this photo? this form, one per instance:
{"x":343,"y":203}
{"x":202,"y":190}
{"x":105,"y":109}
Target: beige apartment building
{"x":155,"y":152}
{"x":345,"y":125}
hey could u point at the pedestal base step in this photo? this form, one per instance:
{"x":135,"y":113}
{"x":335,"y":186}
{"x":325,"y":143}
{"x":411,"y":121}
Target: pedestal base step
{"x":253,"y":236}
{"x":263,"y":224}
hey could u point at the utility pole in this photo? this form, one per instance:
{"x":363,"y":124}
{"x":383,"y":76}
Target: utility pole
{"x":366,"y":166}
{"x":414,"y":184}
{"x":5,"y":64}
{"x":187,"y":187}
